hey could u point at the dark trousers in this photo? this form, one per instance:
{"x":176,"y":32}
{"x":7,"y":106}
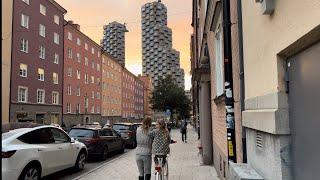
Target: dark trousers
{"x":184,"y":135}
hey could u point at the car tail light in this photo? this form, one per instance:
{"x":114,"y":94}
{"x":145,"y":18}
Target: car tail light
{"x":92,"y":141}
{"x":130,"y":133}
{"x":8,"y":154}
{"x":157,"y":168}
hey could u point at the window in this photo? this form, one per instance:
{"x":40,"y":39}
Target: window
{"x":69,"y":53}
{"x":78,"y":109}
{"x":86,"y":62}
{"x":69,"y":90}
{"x":68,"y":108}
{"x":22,"y":94}
{"x":78,"y":41}
{"x":55,"y":97}
{"x":92,"y":109}
{"x":92,"y":64}
{"x":70,"y":36}
{"x":98,"y":109}
{"x":23,"y":70}
{"x":92,"y":50}
{"x":25,"y":21}
{"x":56,"y":19}
{"x":78,"y":91}
{"x":98,"y":95}
{"x":86,"y":46}
{"x":92,"y":94}
{"x":42,"y":30}
{"x":219,"y":61}
{"x":56,"y":38}
{"x":55,"y":78}
{"x":40,"y":96}
{"x":42,"y":52}
{"x":69,"y":72}
{"x":98,"y":53}
{"x":92,"y":79}
{"x":56,"y":58}
{"x":40,"y":136}
{"x":43,"y":9}
{"x":59,"y":136}
{"x":98,"y":80}
{"x":78,"y":74}
{"x":103,"y":61}
{"x":40,"y":74}
{"x":78,"y":57}
{"x":24,"y":45}
{"x":26,"y":1}
{"x":86,"y":79}
{"x":98,"y":67}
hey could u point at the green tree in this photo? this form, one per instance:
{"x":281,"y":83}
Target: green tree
{"x":168,"y":95}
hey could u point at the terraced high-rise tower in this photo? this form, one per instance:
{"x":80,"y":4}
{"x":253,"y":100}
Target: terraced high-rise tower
{"x":158,"y":57}
{"x":113,"y":41}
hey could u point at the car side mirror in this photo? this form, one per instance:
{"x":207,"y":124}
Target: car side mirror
{"x":72,"y":140}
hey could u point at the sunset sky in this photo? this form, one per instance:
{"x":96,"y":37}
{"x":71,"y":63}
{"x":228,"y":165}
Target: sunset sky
{"x":91,"y":15}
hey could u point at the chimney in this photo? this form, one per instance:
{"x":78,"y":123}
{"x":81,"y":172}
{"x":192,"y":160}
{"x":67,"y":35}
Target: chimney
{"x":70,"y":22}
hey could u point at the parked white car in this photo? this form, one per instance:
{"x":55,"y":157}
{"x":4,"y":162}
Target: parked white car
{"x":32,"y":153}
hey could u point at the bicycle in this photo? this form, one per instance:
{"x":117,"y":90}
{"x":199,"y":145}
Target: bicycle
{"x":161,"y":170}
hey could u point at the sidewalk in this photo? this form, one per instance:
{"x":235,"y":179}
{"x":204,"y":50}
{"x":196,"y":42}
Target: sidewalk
{"x":183,"y":163}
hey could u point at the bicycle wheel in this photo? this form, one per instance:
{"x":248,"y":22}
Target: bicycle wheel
{"x":166,"y":170}
{"x":158,"y":176}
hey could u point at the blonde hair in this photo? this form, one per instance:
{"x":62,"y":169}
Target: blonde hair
{"x":146,"y":124}
{"x":163,"y":126}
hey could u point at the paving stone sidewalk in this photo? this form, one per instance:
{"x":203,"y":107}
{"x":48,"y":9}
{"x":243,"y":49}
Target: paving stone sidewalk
{"x":183,"y":160}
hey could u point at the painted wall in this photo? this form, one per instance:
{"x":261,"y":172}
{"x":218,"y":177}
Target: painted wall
{"x":265,"y":36}
{"x":6,"y":57}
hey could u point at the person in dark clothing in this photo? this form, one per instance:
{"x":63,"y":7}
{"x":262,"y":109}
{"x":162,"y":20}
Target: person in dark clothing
{"x":183,"y":131}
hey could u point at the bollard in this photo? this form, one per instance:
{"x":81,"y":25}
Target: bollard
{"x":200,"y":153}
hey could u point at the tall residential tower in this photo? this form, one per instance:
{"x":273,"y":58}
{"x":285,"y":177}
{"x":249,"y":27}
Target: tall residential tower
{"x":158,"y":57}
{"x":113,"y":41}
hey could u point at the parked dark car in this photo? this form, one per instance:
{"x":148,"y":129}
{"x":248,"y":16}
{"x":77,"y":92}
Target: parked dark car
{"x":98,"y":141}
{"x":128,"y":132}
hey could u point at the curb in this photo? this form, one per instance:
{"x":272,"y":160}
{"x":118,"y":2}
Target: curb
{"x":102,"y":165}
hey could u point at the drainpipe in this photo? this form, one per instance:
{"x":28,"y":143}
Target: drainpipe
{"x":242,"y":85}
{"x":229,"y":100}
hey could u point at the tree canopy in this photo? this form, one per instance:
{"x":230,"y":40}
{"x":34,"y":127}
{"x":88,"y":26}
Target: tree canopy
{"x":168,"y":95}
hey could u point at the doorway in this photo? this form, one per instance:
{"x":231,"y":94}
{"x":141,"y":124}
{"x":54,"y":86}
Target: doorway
{"x":304,"y":112}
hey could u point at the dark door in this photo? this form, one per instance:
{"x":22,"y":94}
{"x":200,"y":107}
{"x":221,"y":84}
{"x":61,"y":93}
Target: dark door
{"x":107,"y":139}
{"x":40,"y":118}
{"x":118,"y":140}
{"x":304,"y":112}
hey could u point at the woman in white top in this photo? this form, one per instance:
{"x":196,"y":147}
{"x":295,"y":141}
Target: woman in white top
{"x":143,"y":150}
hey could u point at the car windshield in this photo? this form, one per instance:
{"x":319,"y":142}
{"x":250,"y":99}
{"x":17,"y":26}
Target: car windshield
{"x":81,"y":133}
{"x":120,"y":127}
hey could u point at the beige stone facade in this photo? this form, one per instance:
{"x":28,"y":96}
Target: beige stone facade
{"x":6,"y":57}
{"x":268,"y":41}
{"x":111,"y":87}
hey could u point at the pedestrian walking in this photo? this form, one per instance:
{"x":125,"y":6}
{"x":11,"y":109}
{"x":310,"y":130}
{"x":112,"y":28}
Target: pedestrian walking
{"x":183,"y":131}
{"x":143,"y":150}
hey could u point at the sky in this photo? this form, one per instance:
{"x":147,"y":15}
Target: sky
{"x":91,"y":15}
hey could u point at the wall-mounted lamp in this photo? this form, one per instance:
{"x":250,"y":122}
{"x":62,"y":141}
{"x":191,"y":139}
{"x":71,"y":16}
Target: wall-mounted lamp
{"x":267,"y":6}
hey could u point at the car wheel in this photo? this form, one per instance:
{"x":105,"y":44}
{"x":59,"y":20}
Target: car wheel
{"x":30,"y":172}
{"x":104,"y":153}
{"x":80,"y":161}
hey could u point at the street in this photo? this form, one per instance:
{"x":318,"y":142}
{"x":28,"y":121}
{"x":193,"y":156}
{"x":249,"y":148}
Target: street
{"x":91,"y":164}
{"x":183,"y":163}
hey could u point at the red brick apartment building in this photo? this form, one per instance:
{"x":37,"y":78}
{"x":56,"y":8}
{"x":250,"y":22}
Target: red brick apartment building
{"x":128,"y":94}
{"x":82,"y":77}
{"x":37,"y":61}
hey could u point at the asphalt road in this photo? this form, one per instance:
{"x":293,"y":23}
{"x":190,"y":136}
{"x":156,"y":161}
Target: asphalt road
{"x":92,"y":163}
